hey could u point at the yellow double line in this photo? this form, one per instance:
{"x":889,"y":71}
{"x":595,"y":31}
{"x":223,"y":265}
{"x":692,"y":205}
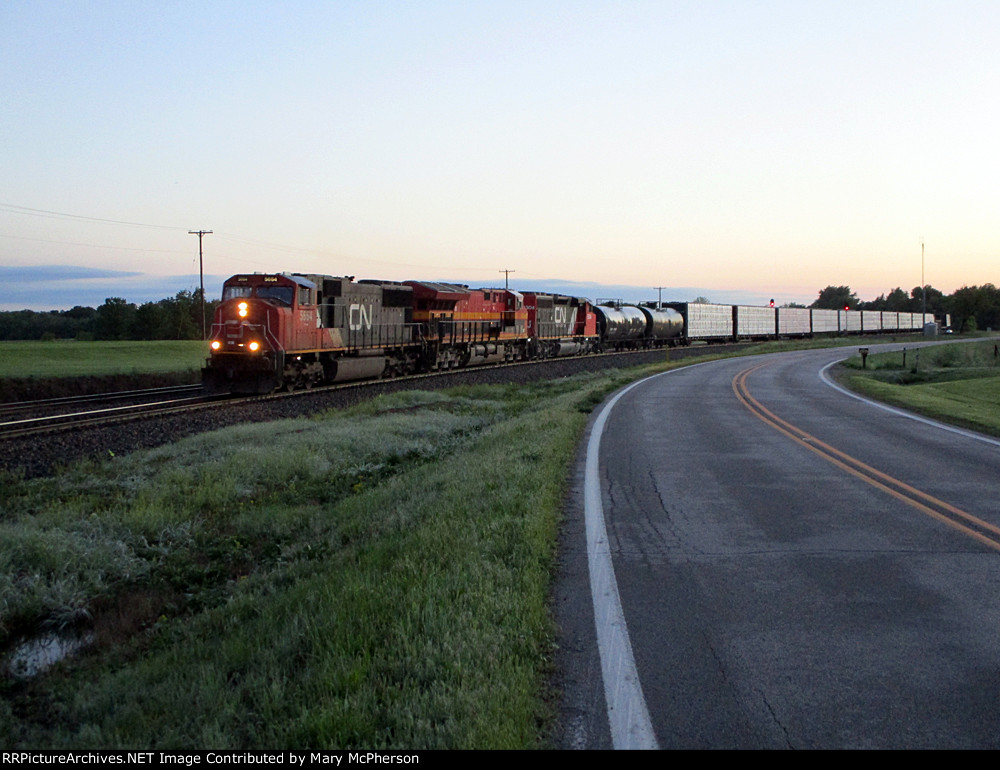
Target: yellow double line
{"x":954,"y":517}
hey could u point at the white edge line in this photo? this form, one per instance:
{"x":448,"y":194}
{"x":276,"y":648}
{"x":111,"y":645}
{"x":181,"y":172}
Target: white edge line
{"x":631,"y":727}
{"x":825,"y":377}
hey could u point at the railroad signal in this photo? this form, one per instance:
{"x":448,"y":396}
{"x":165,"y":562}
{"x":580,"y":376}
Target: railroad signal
{"x":772,"y":303}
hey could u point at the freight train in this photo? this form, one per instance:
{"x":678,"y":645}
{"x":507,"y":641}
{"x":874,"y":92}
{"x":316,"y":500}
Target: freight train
{"x":295,"y":330}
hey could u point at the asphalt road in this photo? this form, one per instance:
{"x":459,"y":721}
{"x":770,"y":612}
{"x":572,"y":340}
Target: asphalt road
{"x":796,"y":569}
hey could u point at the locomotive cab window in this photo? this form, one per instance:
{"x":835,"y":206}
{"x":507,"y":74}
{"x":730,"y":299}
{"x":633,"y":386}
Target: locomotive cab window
{"x":280,"y":295}
{"x":305,"y":296}
{"x":236,"y":292}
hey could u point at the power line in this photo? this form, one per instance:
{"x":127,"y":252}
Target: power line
{"x":91,"y":245}
{"x":63,"y":215}
{"x":26,"y":210}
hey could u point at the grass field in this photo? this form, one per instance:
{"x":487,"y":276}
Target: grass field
{"x":957,"y":383}
{"x":71,"y":358}
{"x":373,"y":578}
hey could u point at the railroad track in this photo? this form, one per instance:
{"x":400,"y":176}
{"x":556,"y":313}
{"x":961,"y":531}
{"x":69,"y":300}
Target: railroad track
{"x":26,"y":418}
{"x":43,"y":406}
{"x":35,"y":448}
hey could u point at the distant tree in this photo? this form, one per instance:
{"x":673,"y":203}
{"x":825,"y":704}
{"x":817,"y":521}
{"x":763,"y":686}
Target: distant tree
{"x":701,"y":300}
{"x":114,"y":319}
{"x":182,"y":316}
{"x":31,"y":325}
{"x":836,"y":298}
{"x":149,"y":321}
{"x":974,"y":307}
{"x":876,"y":304}
{"x":935,"y":300}
{"x":792,"y":304}
{"x":80,"y":313}
{"x":16,"y":325}
{"x":898,"y":301}
{"x":177,"y":317}
{"x":78,"y":322}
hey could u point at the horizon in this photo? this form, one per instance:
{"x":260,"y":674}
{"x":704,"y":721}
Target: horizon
{"x":749,"y":149}
{"x":88,"y":287}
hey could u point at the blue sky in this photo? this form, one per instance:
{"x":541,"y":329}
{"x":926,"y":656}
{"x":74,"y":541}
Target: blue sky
{"x":742,"y":149}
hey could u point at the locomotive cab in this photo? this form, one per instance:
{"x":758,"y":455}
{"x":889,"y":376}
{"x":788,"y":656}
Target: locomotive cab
{"x":295,"y":330}
{"x":247,"y":343}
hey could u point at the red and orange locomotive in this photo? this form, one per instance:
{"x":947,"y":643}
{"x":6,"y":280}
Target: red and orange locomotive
{"x":295,"y":330}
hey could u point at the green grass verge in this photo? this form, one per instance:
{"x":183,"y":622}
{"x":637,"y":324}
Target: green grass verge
{"x":373,"y":578}
{"x":72,"y":358}
{"x":955,"y":383}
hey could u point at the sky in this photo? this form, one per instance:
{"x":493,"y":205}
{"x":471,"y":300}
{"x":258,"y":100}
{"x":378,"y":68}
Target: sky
{"x":740,"y":151}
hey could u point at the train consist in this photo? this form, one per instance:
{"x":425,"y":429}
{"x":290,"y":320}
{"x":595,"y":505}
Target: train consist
{"x":295,"y":330}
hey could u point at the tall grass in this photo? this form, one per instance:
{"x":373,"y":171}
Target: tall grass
{"x":936,"y":363}
{"x":956,"y":383}
{"x":373,"y":578}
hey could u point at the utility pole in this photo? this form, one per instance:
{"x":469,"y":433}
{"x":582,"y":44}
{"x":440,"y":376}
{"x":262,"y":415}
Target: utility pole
{"x":201,"y":274}
{"x":506,"y":277}
{"x":659,"y":296}
{"x":923,"y":286}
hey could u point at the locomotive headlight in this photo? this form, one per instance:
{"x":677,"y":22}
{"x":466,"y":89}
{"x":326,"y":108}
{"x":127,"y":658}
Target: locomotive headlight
{"x":254,"y":346}
{"x":242,"y":309}
{"x":216,"y":344}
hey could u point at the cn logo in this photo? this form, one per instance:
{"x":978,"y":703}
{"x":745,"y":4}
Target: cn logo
{"x":563,"y":316}
{"x":359,"y":317}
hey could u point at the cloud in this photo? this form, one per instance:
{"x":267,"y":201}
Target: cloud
{"x":60,"y":287}
{"x":28,"y":274}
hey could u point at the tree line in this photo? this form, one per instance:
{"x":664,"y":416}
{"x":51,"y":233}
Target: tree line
{"x":971,"y":307}
{"x":172,"y":318}
{"x":179,"y":317}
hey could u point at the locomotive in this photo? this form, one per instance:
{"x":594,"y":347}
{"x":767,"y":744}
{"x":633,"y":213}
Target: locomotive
{"x":296,"y":330}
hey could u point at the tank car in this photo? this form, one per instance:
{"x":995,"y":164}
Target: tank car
{"x":664,"y":325}
{"x":620,"y":326}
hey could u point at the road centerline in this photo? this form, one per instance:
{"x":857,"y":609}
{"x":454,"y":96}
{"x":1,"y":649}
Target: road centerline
{"x":963,"y":521}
